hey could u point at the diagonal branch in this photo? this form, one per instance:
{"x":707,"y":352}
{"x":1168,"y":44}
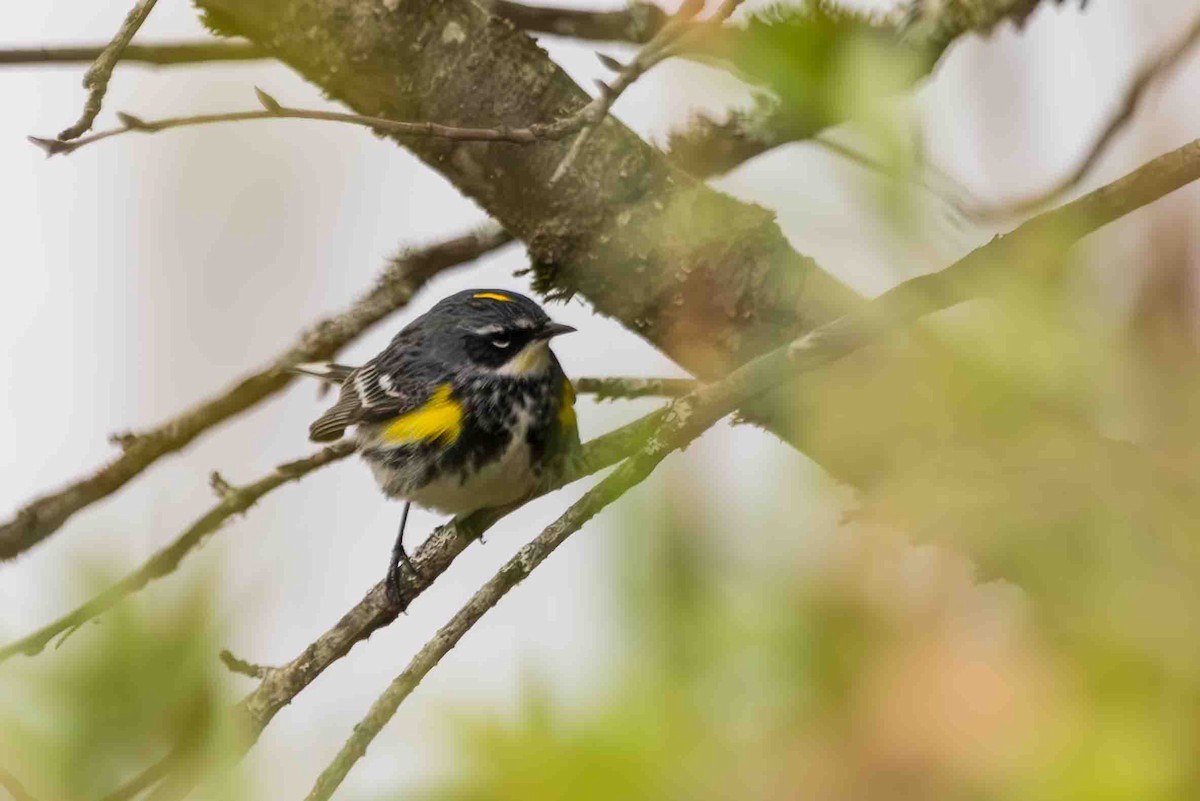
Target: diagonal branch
{"x":235,"y":500}
{"x":432,"y":558}
{"x":613,"y":388}
{"x":694,"y":413}
{"x":13,"y":787}
{"x":95,"y":80}
{"x":403,"y":277}
{"x":1147,"y":75}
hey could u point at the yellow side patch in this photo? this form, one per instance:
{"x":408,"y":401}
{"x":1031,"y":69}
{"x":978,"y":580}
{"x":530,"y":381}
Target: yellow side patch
{"x":494,"y":296}
{"x":566,"y":407}
{"x":441,"y":418}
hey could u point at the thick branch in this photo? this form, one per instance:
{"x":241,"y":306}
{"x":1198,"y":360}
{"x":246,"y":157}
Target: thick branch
{"x":400,"y":281}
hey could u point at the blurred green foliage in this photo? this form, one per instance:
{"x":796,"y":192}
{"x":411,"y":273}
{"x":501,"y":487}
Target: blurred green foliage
{"x":119,"y":696}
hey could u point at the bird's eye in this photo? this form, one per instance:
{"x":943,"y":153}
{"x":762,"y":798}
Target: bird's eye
{"x":500,"y":343}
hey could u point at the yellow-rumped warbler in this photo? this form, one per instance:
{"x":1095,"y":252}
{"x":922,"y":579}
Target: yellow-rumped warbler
{"x":463,"y":410}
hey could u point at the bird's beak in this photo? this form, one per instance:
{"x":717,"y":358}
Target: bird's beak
{"x":552,"y":330}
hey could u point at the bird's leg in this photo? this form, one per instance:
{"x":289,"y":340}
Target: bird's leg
{"x":399,"y":555}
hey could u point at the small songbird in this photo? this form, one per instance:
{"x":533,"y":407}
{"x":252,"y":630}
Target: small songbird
{"x":465,"y":408}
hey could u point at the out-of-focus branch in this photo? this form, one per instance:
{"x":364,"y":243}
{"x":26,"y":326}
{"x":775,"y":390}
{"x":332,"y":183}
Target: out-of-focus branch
{"x":638,"y":22}
{"x":711,"y":146}
{"x":971,"y":276}
{"x":234,"y":500}
{"x":13,"y":787}
{"x":1145,"y":77}
{"x":161,"y":54}
{"x":95,"y":80}
{"x":406,"y":274}
{"x":692,"y":414}
{"x":615,"y":388}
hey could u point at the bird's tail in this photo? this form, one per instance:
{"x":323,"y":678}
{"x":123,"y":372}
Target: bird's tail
{"x":328,"y":372}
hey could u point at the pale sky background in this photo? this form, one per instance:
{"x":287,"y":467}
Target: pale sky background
{"x":142,"y":274}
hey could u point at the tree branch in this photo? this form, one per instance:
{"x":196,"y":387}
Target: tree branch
{"x":161,"y":54}
{"x":235,"y":500}
{"x":272,"y":109}
{"x":638,"y":22}
{"x":1145,"y":77}
{"x":664,"y":44}
{"x":432,"y":558}
{"x":241,"y":666}
{"x":707,"y":146}
{"x":614,"y":388}
{"x":403,"y":277}
{"x":13,"y":787}
{"x":95,"y":80}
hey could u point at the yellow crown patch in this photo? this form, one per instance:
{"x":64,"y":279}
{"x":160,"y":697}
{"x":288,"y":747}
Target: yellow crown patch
{"x":494,"y":296}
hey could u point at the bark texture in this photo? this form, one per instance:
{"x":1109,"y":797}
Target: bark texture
{"x":708,"y":279}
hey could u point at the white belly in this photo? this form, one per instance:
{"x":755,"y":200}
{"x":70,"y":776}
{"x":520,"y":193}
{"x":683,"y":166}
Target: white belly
{"x":510,"y":478}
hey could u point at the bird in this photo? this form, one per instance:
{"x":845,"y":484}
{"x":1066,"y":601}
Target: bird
{"x":465,"y":409}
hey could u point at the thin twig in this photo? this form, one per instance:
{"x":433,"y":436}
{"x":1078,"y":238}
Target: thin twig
{"x":147,"y":778}
{"x":692,"y":414}
{"x":1147,"y":75}
{"x":235,"y":501}
{"x":160,"y":54}
{"x":95,"y":80}
{"x":612,"y":388}
{"x":407,"y":273}
{"x":664,"y":44}
{"x":241,"y":666}
{"x":272,"y":109}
